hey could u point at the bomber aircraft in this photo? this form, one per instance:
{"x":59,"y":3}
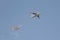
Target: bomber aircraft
{"x":35,"y":14}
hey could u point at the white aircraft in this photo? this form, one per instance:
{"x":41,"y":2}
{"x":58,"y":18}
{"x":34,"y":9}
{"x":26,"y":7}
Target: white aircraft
{"x":16,"y":28}
{"x":35,"y":14}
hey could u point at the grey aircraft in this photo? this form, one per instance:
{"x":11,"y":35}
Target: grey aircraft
{"x":35,"y":14}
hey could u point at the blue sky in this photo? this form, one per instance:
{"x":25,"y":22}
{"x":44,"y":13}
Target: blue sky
{"x":16,"y":12}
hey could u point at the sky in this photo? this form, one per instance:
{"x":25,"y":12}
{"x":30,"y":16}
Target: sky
{"x":16,"y":12}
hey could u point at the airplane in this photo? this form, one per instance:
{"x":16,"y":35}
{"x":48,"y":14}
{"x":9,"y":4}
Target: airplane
{"x":35,"y":14}
{"x":16,"y":28}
